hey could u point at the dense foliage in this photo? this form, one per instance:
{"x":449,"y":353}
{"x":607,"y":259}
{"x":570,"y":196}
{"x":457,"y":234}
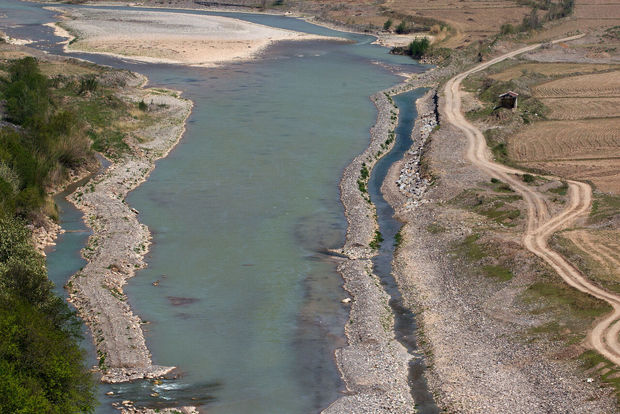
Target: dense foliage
{"x":41,"y":364}
{"x":42,"y":367}
{"x":45,"y":143}
{"x":418,"y":47}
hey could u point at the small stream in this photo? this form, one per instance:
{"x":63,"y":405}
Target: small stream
{"x":389,"y":227}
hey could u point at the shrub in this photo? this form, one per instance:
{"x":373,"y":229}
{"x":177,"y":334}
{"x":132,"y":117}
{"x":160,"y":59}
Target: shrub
{"x":528,"y":178}
{"x":507,"y":28}
{"x":143,"y":106}
{"x":403,"y":28}
{"x":418,"y":47}
{"x":388,"y":24}
{"x":88,"y":83}
{"x":41,"y":364}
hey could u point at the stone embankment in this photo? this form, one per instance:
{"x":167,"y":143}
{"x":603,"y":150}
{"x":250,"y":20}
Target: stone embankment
{"x":412,"y":182}
{"x":374,"y":365}
{"x":119,"y":241}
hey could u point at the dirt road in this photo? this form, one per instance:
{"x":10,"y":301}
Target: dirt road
{"x":540,"y":224}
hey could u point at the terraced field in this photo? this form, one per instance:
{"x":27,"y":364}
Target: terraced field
{"x":582,"y":108}
{"x":604,"y":173}
{"x":564,"y":140}
{"x":471,"y":20}
{"x":581,"y":138}
{"x":591,"y":85}
{"x":548,"y":69}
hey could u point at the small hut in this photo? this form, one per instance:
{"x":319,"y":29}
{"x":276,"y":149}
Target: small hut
{"x":508,"y":100}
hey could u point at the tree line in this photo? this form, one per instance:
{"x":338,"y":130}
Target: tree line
{"x":42,"y":367}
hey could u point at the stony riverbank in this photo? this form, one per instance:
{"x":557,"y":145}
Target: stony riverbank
{"x":486,"y":371}
{"x":119,"y":242}
{"x":374,"y":365}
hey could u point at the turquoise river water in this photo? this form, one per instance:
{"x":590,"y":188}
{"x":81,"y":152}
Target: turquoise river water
{"x":247,"y":307}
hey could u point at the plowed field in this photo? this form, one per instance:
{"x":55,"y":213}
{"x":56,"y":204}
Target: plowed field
{"x":548,"y":69}
{"x":582,"y":108}
{"x":563,"y":140}
{"x":592,"y":85}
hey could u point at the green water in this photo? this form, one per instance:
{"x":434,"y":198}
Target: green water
{"x":247,"y":307}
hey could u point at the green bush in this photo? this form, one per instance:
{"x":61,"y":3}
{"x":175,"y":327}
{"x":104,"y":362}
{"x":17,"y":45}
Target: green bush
{"x":88,"y":83}
{"x":42,"y":367}
{"x":388,"y":24}
{"x":528,"y":178}
{"x":418,"y":47}
{"x":507,"y":28}
{"x":403,"y":28}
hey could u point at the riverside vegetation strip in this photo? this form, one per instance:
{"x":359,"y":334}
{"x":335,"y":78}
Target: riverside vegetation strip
{"x":42,"y":368}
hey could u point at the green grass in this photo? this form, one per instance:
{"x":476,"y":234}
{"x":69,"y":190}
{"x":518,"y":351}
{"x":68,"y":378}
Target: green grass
{"x":376,"y":241}
{"x":435,"y":228}
{"x":561,"y":190}
{"x":604,"y":207}
{"x":591,"y":359}
{"x":471,"y":249}
{"x":398,"y":239}
{"x":498,"y":271}
{"x":552,"y":294}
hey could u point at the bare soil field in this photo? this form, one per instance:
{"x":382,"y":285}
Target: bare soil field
{"x":582,"y":108}
{"x":566,"y":140}
{"x":472,"y":20}
{"x":592,"y":85}
{"x":549,"y":69}
{"x":603,"y":173}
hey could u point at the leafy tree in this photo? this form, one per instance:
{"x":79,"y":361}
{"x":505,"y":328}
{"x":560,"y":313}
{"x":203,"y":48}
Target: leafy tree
{"x":388,"y":24}
{"x":27,"y":95}
{"x":418,"y":47}
{"x":41,"y":364}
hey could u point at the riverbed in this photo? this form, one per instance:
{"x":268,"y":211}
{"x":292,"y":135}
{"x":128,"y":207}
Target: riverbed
{"x":246,"y":304}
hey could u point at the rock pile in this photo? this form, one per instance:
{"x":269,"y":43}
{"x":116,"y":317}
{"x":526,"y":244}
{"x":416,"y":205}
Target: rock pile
{"x":411,"y":182}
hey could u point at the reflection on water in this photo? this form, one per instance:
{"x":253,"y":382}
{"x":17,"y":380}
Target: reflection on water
{"x":236,"y":293}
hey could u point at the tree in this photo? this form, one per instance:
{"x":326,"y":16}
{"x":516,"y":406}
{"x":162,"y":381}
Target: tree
{"x":419,"y":47}
{"x":403,"y":28}
{"x":42,"y":368}
{"x":388,"y":24}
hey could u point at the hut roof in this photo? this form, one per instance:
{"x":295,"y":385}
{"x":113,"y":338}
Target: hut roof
{"x":509,"y":93}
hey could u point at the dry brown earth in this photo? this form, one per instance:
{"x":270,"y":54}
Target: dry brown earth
{"x":591,"y":85}
{"x":548,"y":69}
{"x":582,"y":108}
{"x":566,"y":140}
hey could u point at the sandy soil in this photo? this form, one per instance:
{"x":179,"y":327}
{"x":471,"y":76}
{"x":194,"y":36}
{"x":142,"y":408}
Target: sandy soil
{"x":166,"y":37}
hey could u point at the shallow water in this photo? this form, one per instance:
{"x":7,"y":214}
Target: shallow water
{"x":405,"y":323}
{"x":247,"y":307}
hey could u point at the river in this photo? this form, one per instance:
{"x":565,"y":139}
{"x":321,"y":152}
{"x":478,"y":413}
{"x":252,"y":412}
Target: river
{"x":247,"y":306}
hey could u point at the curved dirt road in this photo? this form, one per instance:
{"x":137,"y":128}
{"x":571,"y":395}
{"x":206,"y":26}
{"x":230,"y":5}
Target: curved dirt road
{"x":540,"y":224}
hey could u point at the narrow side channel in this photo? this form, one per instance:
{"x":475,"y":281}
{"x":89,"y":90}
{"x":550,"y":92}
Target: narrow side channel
{"x":405,"y":325}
